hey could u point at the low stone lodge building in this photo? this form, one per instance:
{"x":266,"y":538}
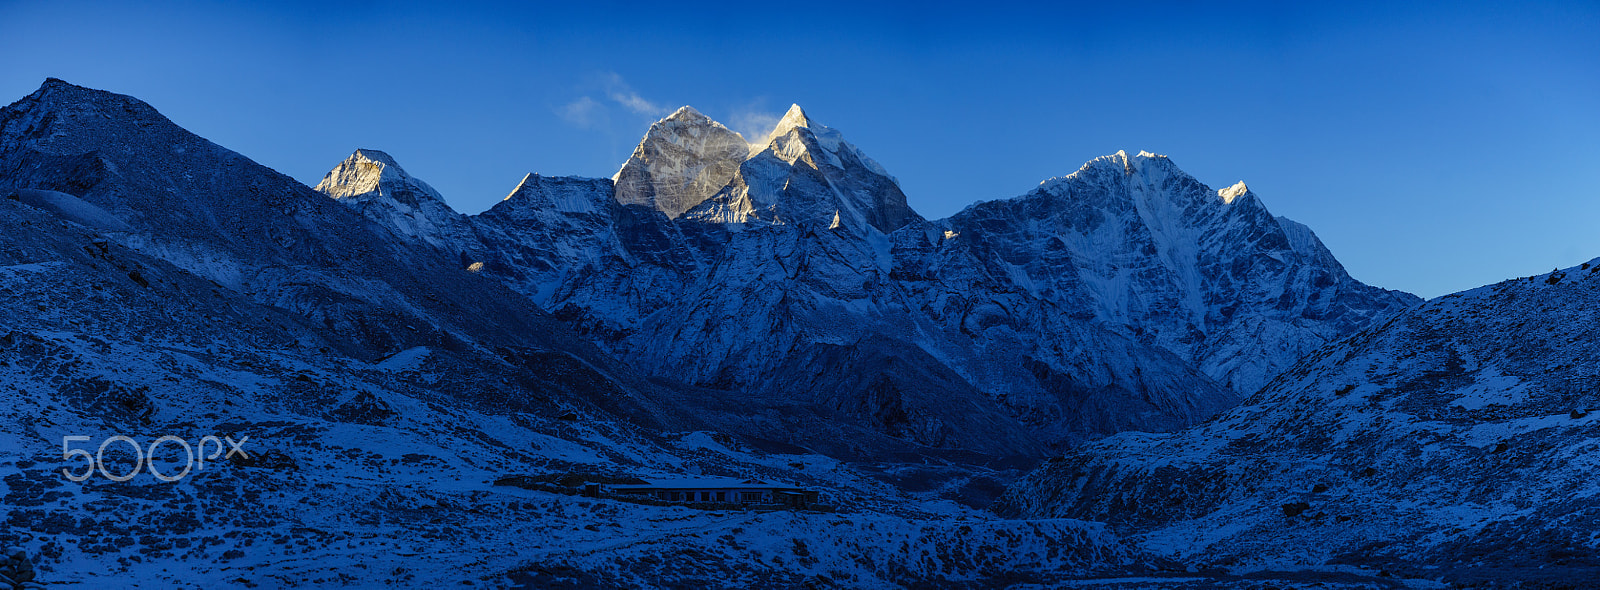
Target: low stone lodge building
{"x":721,"y":490}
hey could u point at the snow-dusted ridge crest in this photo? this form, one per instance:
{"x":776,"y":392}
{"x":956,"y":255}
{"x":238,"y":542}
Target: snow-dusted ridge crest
{"x":369,"y":173}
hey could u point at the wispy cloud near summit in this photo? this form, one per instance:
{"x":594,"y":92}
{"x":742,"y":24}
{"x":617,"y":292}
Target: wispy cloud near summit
{"x":589,"y":112}
{"x":753,"y":123}
{"x":582,"y":113}
{"x":619,"y":91}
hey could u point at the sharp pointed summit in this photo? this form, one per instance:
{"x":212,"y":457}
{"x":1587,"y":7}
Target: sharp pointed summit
{"x":378,"y":156}
{"x":808,"y":173}
{"x":687,"y":113}
{"x":1232,"y":192}
{"x":795,"y":117}
{"x":682,"y":160}
{"x":369,"y":174}
{"x":372,"y":182}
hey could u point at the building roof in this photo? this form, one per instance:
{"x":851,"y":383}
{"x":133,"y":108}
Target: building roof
{"x":710,"y":483}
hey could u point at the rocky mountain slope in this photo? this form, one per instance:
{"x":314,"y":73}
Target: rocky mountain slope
{"x":315,"y":273}
{"x":1124,"y":296}
{"x":154,"y":284}
{"x":1457,"y":440}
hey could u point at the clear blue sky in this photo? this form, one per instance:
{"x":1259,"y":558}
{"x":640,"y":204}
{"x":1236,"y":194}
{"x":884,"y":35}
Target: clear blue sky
{"x":1434,"y":147}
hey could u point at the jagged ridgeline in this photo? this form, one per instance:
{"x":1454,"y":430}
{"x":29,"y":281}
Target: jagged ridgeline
{"x":791,"y":272}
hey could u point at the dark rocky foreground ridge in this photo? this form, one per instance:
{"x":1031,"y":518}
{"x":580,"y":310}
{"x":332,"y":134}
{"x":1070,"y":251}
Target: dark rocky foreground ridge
{"x":795,"y":322}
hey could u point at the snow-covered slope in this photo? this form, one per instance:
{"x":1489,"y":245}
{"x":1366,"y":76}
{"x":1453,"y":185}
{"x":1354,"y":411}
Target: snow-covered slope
{"x":1456,"y":440}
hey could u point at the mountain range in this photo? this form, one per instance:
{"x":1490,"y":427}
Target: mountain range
{"x":1126,"y":295}
{"x":1216,"y":401}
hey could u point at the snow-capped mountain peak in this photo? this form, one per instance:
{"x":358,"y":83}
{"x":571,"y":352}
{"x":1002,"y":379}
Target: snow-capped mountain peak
{"x":1175,"y":263}
{"x":682,"y":160}
{"x":687,"y":113}
{"x":795,"y":117}
{"x":1134,"y":163}
{"x":374,"y":184}
{"x":1115,"y":163}
{"x":1232,"y":192}
{"x":369,"y":174}
{"x":808,"y":173}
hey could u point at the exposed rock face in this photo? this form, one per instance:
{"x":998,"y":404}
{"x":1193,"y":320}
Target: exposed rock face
{"x":1124,"y":296}
{"x":683,"y":160}
{"x":1458,"y":436}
